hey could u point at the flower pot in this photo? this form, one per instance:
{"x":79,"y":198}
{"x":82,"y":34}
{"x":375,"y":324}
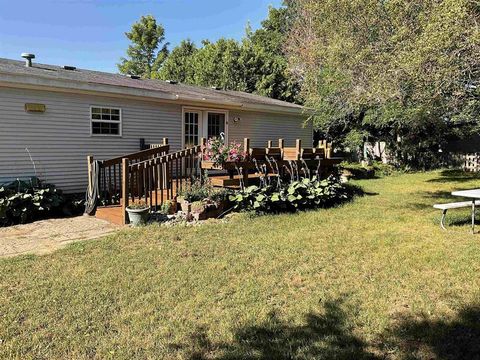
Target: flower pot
{"x":182,"y":204}
{"x":138,"y":217}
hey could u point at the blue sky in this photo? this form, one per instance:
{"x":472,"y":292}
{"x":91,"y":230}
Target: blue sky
{"x":90,"y":33}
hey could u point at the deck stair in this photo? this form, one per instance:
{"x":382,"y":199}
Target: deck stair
{"x":234,"y":182}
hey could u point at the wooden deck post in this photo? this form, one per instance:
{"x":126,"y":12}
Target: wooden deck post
{"x":269,"y":144}
{"x":89,"y":167}
{"x":281,"y":145}
{"x":125,"y":182}
{"x":298,"y":148}
{"x":246,"y":146}
{"x":328,"y":150}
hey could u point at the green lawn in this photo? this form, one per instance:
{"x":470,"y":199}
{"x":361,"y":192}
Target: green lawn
{"x":375,"y":278}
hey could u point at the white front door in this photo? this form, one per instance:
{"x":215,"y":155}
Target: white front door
{"x":207,"y":124}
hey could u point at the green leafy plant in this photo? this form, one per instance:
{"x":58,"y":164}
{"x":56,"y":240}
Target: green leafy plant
{"x":296,"y":195}
{"x":141,"y":205}
{"x":23,"y":201}
{"x":358,"y":171}
{"x":200,"y":189}
{"x":168,"y":207}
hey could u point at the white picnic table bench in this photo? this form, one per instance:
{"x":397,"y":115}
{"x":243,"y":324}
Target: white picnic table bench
{"x":473,"y":194}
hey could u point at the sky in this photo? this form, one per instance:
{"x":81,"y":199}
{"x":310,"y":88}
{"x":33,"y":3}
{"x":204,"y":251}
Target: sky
{"x":91,"y":33}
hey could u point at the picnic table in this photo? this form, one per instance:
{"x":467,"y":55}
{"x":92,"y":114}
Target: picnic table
{"x":473,"y":194}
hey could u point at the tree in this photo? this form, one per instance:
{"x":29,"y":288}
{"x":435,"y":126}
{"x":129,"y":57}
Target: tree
{"x":267,"y":71}
{"x":257,"y":64}
{"x":218,"y":64}
{"x":143,"y":58}
{"x":179,"y":65}
{"x":402,"y":71}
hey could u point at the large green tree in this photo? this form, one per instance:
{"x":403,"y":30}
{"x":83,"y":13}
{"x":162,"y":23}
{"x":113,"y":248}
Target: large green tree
{"x":266,"y":65}
{"x":179,"y":65}
{"x":144,"y":56}
{"x":403,"y":71}
{"x":218,"y":64}
{"x":256,"y":64}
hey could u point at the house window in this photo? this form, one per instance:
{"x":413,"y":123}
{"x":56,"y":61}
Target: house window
{"x":106,"y":121}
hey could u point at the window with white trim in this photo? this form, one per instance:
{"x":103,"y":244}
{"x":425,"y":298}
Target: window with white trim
{"x":106,"y":121}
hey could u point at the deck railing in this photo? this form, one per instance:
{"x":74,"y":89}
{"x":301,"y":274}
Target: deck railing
{"x":155,"y":176}
{"x":159,"y":179}
{"x":110,"y":172}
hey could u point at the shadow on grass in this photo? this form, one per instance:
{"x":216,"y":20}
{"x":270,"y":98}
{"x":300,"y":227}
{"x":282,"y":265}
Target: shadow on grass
{"x":459,"y":338}
{"x":429,"y":198}
{"x":356,"y":190}
{"x":330,"y":336}
{"x":447,"y":176}
{"x":325,"y":336}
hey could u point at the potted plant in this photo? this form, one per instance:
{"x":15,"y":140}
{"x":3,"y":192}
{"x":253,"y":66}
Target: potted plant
{"x":198,"y":191}
{"x":169,"y":207}
{"x":138,"y":213}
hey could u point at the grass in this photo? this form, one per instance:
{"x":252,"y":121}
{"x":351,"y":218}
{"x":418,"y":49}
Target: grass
{"x":376,"y":278}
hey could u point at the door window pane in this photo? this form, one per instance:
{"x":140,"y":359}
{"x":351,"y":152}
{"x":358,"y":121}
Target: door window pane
{"x":191,"y":129}
{"x":215,"y":125}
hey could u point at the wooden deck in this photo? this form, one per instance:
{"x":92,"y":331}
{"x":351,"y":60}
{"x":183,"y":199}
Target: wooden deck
{"x":113,"y":213}
{"x":154,"y":175}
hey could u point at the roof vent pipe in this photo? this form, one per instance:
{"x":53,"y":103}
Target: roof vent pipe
{"x":28,"y":57}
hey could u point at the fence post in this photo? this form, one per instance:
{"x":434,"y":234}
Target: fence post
{"x":125,"y":182}
{"x":298,"y":147}
{"x":269,"y":143}
{"x":89,"y":166}
{"x":165,"y":141}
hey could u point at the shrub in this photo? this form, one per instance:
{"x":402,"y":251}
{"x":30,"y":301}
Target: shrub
{"x":168,"y":207}
{"x":200,"y":189}
{"x":296,"y":195}
{"x":23,"y":201}
{"x":358,"y":171}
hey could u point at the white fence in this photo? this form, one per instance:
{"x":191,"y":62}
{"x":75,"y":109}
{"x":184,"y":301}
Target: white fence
{"x":469,"y":161}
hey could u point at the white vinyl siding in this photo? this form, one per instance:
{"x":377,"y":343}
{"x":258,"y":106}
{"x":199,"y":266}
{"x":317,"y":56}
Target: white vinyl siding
{"x":261,"y":127}
{"x":59,"y":140}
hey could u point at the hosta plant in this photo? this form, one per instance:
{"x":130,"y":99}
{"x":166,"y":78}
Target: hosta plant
{"x":23,"y":201}
{"x":300,"y":194}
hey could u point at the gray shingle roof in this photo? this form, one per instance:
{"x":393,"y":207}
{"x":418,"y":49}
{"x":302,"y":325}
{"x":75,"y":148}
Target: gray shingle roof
{"x":52,"y":72}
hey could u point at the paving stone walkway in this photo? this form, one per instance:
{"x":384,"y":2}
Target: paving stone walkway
{"x":46,"y":236}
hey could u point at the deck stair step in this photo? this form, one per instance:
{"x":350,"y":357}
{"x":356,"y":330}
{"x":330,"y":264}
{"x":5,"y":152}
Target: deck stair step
{"x":111,"y":214}
{"x":234,"y":182}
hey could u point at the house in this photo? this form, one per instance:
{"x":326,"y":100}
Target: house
{"x":52,"y":117}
